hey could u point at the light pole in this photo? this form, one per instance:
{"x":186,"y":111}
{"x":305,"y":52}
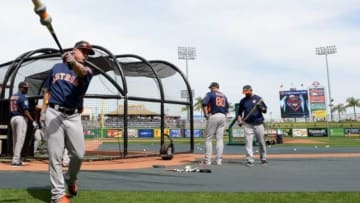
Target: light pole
{"x":326,"y":51}
{"x":187,"y":53}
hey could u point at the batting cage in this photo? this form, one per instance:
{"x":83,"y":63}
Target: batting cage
{"x":133,"y":107}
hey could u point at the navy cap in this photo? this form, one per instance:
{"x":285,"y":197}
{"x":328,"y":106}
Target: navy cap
{"x":85,"y":45}
{"x":247,"y":87}
{"x":214,"y":84}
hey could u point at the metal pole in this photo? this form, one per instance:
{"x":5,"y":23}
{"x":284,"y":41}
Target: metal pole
{"x":326,"y":51}
{"x":187,"y":70}
{"x":329,"y":87}
{"x":188,"y":97}
{"x":187,"y":53}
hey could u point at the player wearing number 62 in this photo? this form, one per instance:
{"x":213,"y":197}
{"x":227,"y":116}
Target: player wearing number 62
{"x":20,"y":115}
{"x":215,"y":107}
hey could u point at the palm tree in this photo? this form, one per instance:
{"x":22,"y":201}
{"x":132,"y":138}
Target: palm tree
{"x":339,"y":108}
{"x":197,"y":105}
{"x":352,"y":102}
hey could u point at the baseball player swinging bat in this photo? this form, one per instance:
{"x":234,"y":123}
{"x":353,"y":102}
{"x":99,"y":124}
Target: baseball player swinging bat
{"x":45,"y":19}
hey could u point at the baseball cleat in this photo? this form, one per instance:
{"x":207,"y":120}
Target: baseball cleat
{"x":219,"y":162}
{"x":250,"y":164}
{"x":63,"y":199}
{"x":14,"y":164}
{"x":73,"y":189}
{"x":264,"y":162}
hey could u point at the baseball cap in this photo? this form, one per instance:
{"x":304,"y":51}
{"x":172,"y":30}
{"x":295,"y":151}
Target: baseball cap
{"x":23,"y":85}
{"x":84,"y":45}
{"x":247,"y":87}
{"x":214,"y":84}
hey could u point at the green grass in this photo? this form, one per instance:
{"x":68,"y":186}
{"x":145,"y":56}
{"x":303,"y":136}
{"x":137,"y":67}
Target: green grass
{"x":42,"y":195}
{"x":37,"y":195}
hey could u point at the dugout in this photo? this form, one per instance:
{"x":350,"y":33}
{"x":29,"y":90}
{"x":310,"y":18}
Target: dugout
{"x":119,"y":80}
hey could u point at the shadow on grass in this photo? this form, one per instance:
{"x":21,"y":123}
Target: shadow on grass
{"x":12,"y":200}
{"x":40,"y":193}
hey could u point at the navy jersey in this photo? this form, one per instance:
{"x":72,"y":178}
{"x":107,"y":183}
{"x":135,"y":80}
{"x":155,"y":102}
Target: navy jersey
{"x":66,"y":88}
{"x":216,"y":102}
{"x":18,"y":104}
{"x":246,"y":105}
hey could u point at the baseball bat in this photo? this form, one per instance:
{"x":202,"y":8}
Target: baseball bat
{"x":176,"y":170}
{"x":192,"y":170}
{"x":203,"y":170}
{"x":252,"y":110}
{"x":45,"y":19}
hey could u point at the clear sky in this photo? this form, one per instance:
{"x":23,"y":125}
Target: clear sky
{"x":263,"y":43}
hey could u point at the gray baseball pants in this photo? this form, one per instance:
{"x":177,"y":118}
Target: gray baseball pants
{"x":215,"y":126}
{"x":39,"y":136}
{"x":258,"y":131}
{"x":18,"y":127}
{"x":63,"y":131}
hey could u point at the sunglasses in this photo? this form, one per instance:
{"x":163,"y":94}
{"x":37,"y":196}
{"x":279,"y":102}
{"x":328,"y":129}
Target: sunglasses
{"x":247,"y":91}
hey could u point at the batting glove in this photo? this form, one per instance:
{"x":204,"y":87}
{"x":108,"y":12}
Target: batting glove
{"x":261,"y":108}
{"x":68,"y":58}
{"x":35,"y":125}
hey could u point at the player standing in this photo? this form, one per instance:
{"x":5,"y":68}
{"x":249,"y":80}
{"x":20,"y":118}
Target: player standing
{"x":20,"y":115}
{"x":251,"y":108}
{"x":64,"y":91}
{"x":215,"y":107}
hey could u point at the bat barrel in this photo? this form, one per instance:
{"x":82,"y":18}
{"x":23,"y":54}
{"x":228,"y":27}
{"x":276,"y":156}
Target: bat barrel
{"x":45,"y":19}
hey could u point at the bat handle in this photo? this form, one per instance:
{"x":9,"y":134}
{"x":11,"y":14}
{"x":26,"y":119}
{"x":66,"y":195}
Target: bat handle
{"x":37,"y":3}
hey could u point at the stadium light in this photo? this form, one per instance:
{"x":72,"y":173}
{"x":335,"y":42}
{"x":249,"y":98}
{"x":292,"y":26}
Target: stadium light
{"x":326,"y":51}
{"x":187,"y":53}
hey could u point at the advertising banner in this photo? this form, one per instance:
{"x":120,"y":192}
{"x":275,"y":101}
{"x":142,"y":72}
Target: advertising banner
{"x":352,"y":132}
{"x":317,"y":106}
{"x":145,"y":133}
{"x":317,"y":101}
{"x":157,"y":132}
{"x":114,"y":133}
{"x":132,"y":133}
{"x":299,"y":132}
{"x":337,"y":132}
{"x":318,"y":132}
{"x":197,"y":133}
{"x":175,"y":133}
{"x":294,"y":104}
